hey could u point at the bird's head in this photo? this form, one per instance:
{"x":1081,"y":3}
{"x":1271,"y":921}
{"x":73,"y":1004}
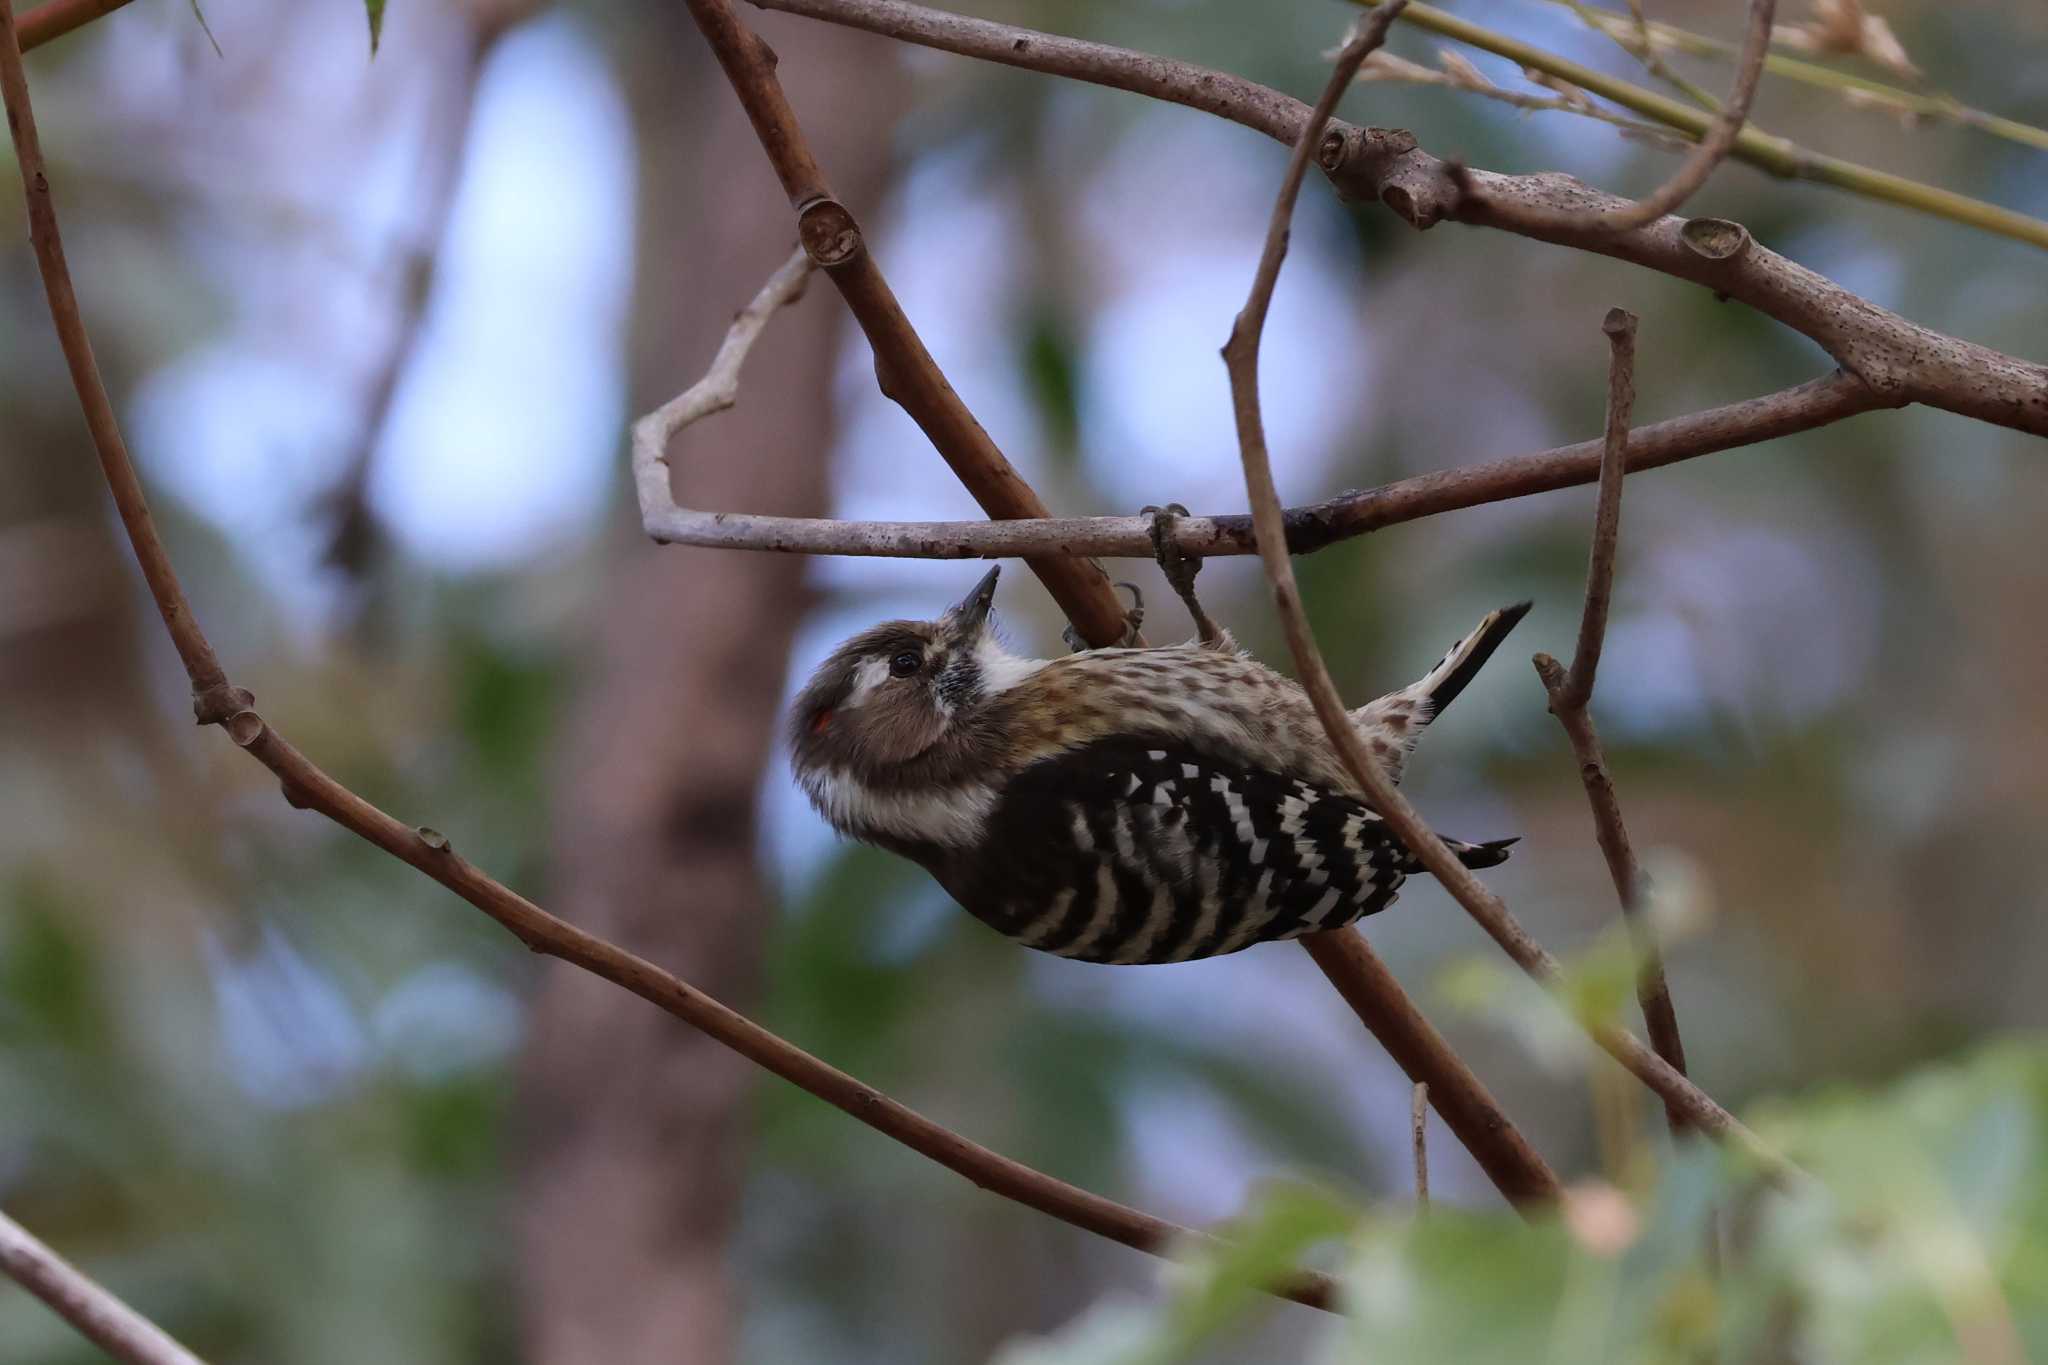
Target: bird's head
{"x":898,"y":691}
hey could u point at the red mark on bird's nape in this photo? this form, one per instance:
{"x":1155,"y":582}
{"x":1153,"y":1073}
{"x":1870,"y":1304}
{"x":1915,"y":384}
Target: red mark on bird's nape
{"x":820,"y":721}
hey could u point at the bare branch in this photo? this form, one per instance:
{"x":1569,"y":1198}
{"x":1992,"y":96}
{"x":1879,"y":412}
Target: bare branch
{"x":100,"y":1318}
{"x":1241,"y":356}
{"x":1803,"y":407}
{"x":1620,"y":328}
{"x":210,"y":692}
{"x":59,"y":17}
{"x":306,"y":786}
{"x":1571,"y":692}
{"x":1902,"y":361}
{"x":1418,"y":1136}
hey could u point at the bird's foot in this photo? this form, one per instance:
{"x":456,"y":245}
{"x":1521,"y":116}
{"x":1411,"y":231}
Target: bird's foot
{"x":1134,"y":619}
{"x":1180,"y":569}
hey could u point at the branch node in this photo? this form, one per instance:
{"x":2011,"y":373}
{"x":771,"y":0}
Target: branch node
{"x":829,"y":233}
{"x":217,"y":704}
{"x":1716,"y":239}
{"x":244,"y":727}
{"x":432,"y":838}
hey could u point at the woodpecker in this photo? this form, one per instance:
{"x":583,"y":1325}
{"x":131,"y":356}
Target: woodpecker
{"x":1122,"y":805}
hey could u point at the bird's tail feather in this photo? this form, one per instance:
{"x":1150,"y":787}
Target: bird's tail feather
{"x":1441,"y":685}
{"x":1492,"y":853}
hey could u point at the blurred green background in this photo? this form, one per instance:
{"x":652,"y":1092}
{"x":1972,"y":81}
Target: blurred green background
{"x":376,"y":328}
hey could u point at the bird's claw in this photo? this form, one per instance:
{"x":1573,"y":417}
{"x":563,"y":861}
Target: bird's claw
{"x":1134,"y":619}
{"x":1180,"y":567}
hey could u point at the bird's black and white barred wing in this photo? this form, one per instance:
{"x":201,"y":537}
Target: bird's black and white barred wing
{"x":1131,"y":852}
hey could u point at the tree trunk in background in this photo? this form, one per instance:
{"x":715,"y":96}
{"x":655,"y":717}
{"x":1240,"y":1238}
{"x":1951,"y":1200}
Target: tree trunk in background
{"x":633,"y":1126}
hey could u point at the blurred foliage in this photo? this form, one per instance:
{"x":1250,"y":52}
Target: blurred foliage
{"x":1921,"y":1236}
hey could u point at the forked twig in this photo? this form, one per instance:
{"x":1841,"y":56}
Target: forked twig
{"x":305,"y":785}
{"x":1570,"y":692}
{"x":718,"y":390}
{"x":1241,"y":356}
{"x":99,"y":1316}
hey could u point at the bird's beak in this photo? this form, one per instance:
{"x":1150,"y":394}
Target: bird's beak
{"x":973,"y":609}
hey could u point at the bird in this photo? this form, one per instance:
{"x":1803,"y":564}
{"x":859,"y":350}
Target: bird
{"x":1122,"y":805}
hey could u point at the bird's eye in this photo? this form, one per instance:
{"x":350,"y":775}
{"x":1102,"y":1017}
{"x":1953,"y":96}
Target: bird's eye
{"x":905,"y":664}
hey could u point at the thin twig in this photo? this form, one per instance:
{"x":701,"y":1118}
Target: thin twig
{"x":59,"y":17}
{"x":1241,"y":356}
{"x":1313,"y":527}
{"x":1570,"y":692}
{"x":306,"y":786}
{"x":1902,"y":361}
{"x":1418,"y":1136}
{"x":1620,"y":329}
{"x":100,"y":1317}
{"x":1720,"y":138}
{"x":1426,"y":1057}
{"x":209,"y":682}
{"x":828,"y":233}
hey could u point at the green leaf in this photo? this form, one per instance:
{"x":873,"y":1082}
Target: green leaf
{"x":374,"y":9}
{"x":1053,"y":374}
{"x":50,"y":987}
{"x":1216,"y":1286}
{"x":1225,"y":1280}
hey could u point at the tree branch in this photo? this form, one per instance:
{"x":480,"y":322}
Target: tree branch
{"x":100,"y":1318}
{"x":1902,"y":361}
{"x":1469,"y":1111}
{"x":1571,"y":692}
{"x":1620,"y":328}
{"x":1241,"y":357}
{"x":306,"y":786}
{"x":59,"y":17}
